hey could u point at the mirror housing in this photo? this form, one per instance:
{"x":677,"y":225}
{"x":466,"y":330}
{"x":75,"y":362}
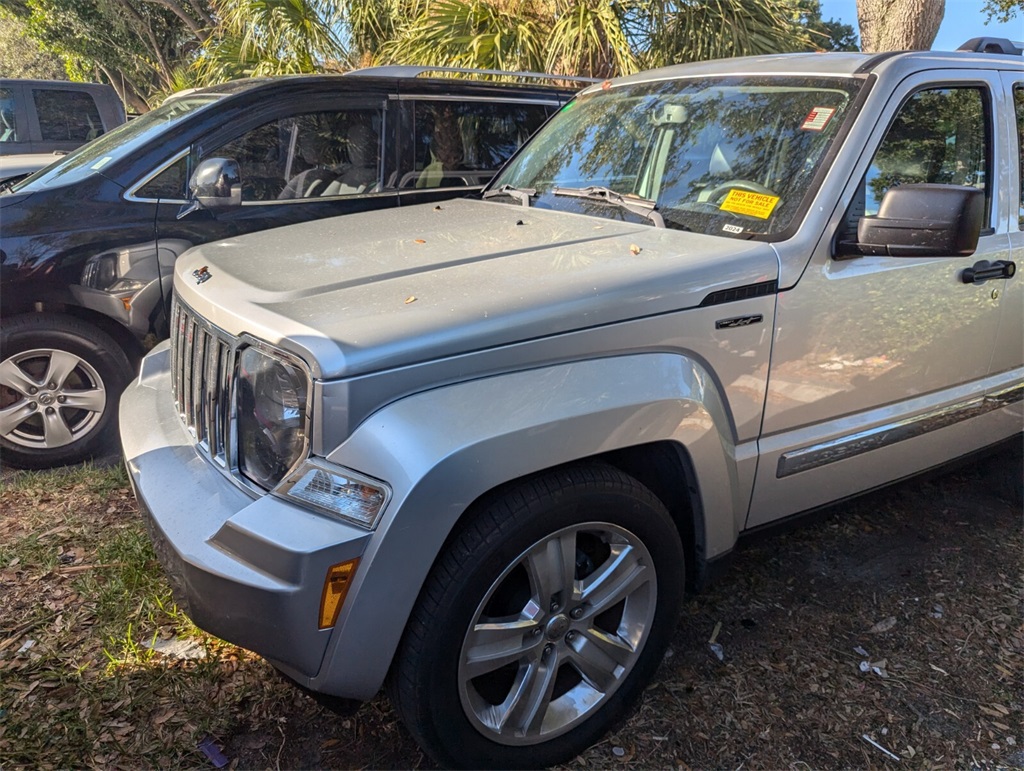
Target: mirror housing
{"x":924,"y":220}
{"x":216,"y":185}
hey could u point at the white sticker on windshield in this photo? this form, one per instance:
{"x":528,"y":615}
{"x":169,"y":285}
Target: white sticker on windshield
{"x":102,"y":162}
{"x":818,"y":118}
{"x":732,"y":228}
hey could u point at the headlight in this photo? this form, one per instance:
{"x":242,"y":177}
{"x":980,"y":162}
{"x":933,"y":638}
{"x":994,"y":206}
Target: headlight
{"x":271,"y":415}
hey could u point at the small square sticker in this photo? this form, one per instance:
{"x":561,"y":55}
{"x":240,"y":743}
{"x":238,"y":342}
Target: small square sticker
{"x":818,"y":118}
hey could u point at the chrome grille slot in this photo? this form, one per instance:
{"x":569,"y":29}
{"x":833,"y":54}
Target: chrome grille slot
{"x":202,"y":366}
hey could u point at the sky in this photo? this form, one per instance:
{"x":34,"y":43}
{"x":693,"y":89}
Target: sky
{"x":963,"y":20}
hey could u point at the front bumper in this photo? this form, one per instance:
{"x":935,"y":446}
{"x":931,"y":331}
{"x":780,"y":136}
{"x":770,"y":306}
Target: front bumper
{"x":248,"y":569}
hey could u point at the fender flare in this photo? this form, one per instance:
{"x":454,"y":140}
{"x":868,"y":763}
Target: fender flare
{"x":440,"y":450}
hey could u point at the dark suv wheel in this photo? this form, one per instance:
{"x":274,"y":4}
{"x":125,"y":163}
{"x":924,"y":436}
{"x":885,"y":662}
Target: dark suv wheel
{"x":60,"y":382}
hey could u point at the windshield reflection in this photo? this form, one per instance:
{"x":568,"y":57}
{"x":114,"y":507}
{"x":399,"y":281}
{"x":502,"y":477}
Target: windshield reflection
{"x":723,"y":156}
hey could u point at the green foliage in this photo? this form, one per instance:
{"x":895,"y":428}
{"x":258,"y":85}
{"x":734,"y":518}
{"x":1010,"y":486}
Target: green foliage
{"x":270,"y":37}
{"x":1002,"y":10}
{"x":23,"y":57}
{"x":597,"y":38}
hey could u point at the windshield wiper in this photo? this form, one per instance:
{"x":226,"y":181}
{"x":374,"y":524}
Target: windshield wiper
{"x":645,"y":207}
{"x":7,"y":184}
{"x":521,"y":194}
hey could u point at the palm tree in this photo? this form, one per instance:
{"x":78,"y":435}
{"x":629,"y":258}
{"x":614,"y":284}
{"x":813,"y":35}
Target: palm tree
{"x":269,"y":37}
{"x":601,"y":38}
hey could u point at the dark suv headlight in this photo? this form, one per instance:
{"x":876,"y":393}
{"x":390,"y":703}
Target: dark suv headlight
{"x":273,"y":392}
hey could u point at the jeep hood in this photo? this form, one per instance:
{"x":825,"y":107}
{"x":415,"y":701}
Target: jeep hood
{"x":365,"y":292}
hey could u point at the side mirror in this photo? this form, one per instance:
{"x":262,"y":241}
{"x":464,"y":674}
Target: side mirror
{"x":924,"y":221}
{"x":216,"y":185}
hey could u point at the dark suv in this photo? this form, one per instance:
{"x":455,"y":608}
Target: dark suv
{"x":87,"y":245}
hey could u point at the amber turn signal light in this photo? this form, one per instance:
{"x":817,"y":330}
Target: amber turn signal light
{"x":339,"y":578}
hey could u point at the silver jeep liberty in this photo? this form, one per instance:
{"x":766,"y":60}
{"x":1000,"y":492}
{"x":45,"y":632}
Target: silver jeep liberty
{"x":478,"y":450}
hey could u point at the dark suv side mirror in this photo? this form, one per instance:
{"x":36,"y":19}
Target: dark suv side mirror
{"x":924,"y":220}
{"x":216,"y":185}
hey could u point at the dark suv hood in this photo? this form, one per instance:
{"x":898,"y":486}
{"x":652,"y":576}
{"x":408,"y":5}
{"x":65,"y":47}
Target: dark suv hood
{"x":365,"y":292}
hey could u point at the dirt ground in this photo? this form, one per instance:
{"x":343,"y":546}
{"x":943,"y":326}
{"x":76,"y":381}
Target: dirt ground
{"x":919,"y":584}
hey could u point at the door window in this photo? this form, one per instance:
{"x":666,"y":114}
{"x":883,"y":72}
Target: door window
{"x":939,"y":136}
{"x":66,"y":116}
{"x":459,"y":144}
{"x":312,"y":155}
{"x":1018,"y":100}
{"x":8,"y":123}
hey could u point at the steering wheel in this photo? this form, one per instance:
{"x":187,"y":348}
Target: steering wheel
{"x":718,"y":192}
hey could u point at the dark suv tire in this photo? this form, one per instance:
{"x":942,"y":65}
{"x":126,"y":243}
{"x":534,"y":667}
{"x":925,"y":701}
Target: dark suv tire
{"x":60,"y":382}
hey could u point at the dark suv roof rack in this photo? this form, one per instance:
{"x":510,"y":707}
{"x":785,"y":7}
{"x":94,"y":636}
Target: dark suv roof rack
{"x":416,"y":70}
{"x":992,"y":45}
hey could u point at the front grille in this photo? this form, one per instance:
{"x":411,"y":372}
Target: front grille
{"x":202,"y":367}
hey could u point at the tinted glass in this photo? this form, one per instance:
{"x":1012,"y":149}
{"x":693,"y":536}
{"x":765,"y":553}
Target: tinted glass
{"x":311,"y":155}
{"x":939,"y":136}
{"x":115,"y":145}
{"x":464,"y":143}
{"x":67,"y":116}
{"x":734,"y":157}
{"x":8,"y":126}
{"x":168,"y":184}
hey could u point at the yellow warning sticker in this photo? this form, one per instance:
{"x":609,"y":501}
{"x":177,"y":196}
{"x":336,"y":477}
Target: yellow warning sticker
{"x":757,"y":205}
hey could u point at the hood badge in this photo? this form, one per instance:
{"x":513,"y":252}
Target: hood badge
{"x":202,"y":274}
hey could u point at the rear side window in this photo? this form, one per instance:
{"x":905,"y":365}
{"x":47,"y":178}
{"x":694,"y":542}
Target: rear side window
{"x":67,"y":116}
{"x":8,"y":126}
{"x":460,"y":144}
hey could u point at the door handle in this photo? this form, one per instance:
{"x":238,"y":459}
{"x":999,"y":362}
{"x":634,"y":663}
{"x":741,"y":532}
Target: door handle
{"x":984,"y":270}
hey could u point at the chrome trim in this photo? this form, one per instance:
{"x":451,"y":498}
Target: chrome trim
{"x":848,"y":446}
{"x":204,"y":374}
{"x":315,"y":198}
{"x":130,"y":193}
{"x":445,"y":98}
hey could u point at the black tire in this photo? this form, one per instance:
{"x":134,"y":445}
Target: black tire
{"x":485,"y":572}
{"x":97,"y":371}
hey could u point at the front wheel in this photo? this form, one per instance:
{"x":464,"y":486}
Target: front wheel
{"x":541,"y":624}
{"x":60,"y":382}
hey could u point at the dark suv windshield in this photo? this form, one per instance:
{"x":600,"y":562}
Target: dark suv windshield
{"x":723,"y":156}
{"x":92,"y":157}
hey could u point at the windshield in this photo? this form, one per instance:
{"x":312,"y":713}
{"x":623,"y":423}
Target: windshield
{"x":104,"y":150}
{"x":723,"y":156}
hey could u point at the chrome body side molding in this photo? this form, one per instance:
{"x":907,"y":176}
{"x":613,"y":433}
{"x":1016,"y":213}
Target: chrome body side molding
{"x":882,"y":436}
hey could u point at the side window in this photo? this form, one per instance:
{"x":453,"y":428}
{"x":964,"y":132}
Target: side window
{"x":312,"y":155}
{"x":939,"y":136}
{"x":66,"y":116}
{"x":168,"y":184}
{"x":464,"y":143}
{"x":8,"y":124}
{"x":1018,"y":100}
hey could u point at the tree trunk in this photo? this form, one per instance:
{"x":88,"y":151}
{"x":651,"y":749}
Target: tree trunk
{"x":126,"y":90}
{"x":899,"y":25}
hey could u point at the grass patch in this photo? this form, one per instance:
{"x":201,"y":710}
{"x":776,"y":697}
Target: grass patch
{"x":83,"y":600}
